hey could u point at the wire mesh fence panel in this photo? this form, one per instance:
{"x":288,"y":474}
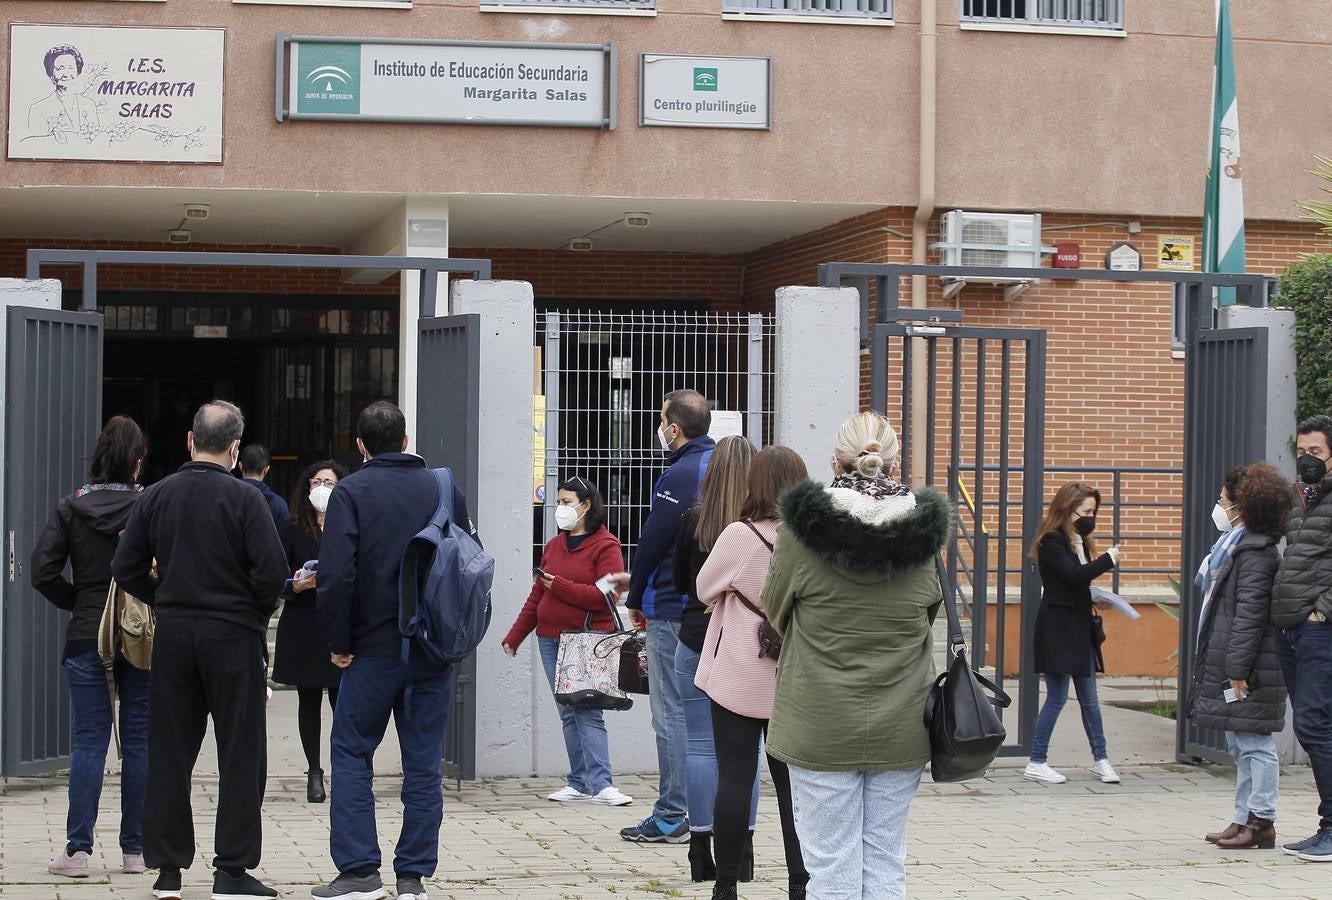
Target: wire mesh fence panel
{"x":602,"y":377}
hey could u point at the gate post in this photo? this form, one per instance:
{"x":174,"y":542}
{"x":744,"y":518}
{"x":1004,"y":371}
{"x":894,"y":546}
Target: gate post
{"x":817,"y":370}
{"x":503,"y":511}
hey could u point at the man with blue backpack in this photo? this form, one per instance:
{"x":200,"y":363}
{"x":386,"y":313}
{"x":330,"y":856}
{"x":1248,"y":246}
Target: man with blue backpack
{"x":382,"y":592}
{"x":655,"y":603}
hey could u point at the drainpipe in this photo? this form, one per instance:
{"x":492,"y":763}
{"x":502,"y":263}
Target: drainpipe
{"x":920,"y":225}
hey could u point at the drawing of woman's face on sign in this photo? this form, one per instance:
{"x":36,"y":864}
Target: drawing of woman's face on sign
{"x":115,"y":93}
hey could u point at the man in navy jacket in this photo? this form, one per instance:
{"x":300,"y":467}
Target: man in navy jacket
{"x":655,"y":602}
{"x":371,"y":516}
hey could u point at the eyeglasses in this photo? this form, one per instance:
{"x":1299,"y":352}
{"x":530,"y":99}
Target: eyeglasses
{"x":326,"y":482}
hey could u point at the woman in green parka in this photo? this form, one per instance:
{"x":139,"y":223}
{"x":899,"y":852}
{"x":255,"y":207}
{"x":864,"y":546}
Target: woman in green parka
{"x":854,"y":591}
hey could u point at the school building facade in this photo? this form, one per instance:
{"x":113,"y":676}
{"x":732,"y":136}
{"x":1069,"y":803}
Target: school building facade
{"x":641,"y":154}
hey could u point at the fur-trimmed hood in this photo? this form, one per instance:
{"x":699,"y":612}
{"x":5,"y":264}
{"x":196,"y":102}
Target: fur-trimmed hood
{"x":847,"y":542}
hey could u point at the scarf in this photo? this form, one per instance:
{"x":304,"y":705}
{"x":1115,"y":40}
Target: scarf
{"x":879,"y":488}
{"x":104,"y":486}
{"x":1217,"y":559}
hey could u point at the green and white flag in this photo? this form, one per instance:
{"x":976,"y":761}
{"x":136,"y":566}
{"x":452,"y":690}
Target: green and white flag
{"x":1223,"y":217}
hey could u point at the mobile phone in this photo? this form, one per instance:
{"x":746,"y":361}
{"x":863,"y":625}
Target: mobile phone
{"x":537,"y":573}
{"x":1231,"y":695}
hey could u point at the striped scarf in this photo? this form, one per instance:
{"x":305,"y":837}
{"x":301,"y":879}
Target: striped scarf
{"x":1216,"y":560}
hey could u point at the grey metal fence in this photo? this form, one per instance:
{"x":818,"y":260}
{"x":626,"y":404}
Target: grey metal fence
{"x":851,"y":9}
{"x":603,"y":376}
{"x":1059,"y":13}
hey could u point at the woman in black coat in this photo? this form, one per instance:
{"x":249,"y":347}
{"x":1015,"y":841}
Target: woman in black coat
{"x":1068,"y":632}
{"x":301,"y":656}
{"x":1237,"y":684}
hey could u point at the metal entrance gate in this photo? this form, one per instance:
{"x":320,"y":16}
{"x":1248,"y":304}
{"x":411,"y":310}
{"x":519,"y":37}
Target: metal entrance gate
{"x":984,"y":393}
{"x":1225,"y":384}
{"x":53,"y":400}
{"x":448,"y":410}
{"x":603,"y":377}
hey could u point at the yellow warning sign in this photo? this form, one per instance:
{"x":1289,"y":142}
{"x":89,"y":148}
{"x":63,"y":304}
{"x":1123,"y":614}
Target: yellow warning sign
{"x":1175,"y":251}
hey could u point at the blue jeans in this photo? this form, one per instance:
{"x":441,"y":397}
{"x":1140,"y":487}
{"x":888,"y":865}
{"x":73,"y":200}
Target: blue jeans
{"x":372,"y":687}
{"x":91,"y":703}
{"x":584,"y":733}
{"x":700,"y":751}
{"x":1305,"y":652}
{"x":1056,"y":695}
{"x":668,"y":721}
{"x":852,"y":828}
{"x":1257,"y":770}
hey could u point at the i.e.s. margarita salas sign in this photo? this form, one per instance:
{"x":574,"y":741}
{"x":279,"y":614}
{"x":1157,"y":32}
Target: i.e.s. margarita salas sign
{"x":123,"y":94}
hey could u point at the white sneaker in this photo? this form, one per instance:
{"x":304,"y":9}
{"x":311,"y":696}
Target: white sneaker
{"x":1043,"y":773}
{"x":612,"y":796}
{"x":1105,"y":771}
{"x":568,"y":794}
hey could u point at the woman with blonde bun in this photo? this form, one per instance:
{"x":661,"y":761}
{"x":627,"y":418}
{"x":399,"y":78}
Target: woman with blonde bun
{"x":854,"y":592}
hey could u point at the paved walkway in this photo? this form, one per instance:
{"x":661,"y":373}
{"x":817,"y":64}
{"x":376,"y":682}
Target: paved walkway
{"x":995,"y":837}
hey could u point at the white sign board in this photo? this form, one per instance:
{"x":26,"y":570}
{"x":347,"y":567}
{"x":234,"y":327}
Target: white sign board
{"x":466,"y":82}
{"x":726,"y":423}
{"x":103,"y":92}
{"x":705,"y":91}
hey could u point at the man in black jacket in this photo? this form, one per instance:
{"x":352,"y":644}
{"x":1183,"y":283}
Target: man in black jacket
{"x":255,"y":461}
{"x":1301,"y":607}
{"x":220,"y":567}
{"x":371,"y":516}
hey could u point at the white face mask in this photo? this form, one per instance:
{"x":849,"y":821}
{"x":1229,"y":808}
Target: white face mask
{"x":661,"y":436}
{"x":566,"y":517}
{"x":319,"y":497}
{"x":1220,"y":519}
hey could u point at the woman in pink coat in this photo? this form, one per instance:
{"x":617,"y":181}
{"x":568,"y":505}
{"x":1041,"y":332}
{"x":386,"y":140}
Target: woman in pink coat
{"x":739,"y":678}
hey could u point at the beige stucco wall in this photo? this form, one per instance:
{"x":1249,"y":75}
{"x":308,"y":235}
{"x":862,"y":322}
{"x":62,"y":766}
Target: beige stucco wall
{"x":1038,"y":121}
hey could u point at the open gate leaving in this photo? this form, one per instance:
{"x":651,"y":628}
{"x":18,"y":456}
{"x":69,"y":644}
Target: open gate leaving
{"x":448,"y":402}
{"x":53,"y":390}
{"x":993,"y":463}
{"x":53,"y":411}
{"x":1226,"y":422}
{"x":984,"y":396}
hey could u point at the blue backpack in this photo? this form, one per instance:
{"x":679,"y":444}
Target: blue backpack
{"x":444,"y":586}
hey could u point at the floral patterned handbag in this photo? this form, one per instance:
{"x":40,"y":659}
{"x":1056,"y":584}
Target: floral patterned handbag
{"x":587,"y":669}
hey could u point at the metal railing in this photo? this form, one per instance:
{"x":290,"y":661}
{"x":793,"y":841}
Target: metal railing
{"x":577,"y":4}
{"x":850,"y":9}
{"x":1056,"y":13}
{"x":972,"y":523}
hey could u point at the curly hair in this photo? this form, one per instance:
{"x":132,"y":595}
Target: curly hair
{"x":49,"y":60}
{"x":1264,"y":499}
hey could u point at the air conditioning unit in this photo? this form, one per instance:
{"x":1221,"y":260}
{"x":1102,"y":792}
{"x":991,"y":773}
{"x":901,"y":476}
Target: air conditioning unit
{"x":992,"y":241}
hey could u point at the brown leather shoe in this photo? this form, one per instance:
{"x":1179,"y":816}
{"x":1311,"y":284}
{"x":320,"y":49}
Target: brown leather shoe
{"x":1256,"y":834}
{"x":1232,"y":830}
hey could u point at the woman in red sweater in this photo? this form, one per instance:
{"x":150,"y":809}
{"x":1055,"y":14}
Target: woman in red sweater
{"x":565,"y":598}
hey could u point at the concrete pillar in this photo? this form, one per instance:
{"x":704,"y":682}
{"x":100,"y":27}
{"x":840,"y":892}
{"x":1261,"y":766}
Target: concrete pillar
{"x":818,"y":369}
{"x":503,"y":510}
{"x":45,"y":294}
{"x":425,"y":230}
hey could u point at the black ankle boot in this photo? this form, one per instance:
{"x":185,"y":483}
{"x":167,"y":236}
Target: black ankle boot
{"x":721,"y":891}
{"x":701,"y":866}
{"x":797,"y":887}
{"x":314,"y":786}
{"x":747,"y":861}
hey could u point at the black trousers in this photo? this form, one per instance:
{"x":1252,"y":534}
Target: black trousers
{"x":203,"y":668}
{"x":737,"y":743}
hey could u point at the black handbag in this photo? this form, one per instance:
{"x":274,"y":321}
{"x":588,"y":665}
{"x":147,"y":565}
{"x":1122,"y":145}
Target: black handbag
{"x":963,"y":720}
{"x":634,"y":664}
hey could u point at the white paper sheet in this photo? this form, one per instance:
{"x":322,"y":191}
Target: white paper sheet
{"x":1117,"y":603}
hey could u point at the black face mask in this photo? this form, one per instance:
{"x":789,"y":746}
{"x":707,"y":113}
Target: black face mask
{"x":1312,"y":469}
{"x":1085,"y":526}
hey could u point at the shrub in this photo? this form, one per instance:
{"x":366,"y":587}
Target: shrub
{"x":1306,"y":287}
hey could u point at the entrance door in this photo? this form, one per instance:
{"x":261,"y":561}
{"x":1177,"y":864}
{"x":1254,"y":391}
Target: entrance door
{"x":984,"y":445}
{"x":53,"y":394}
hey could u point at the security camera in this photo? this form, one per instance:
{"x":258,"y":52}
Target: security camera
{"x":637,"y":219}
{"x":179,"y":236}
{"x":196,"y":211}
{"x":580,"y":244}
